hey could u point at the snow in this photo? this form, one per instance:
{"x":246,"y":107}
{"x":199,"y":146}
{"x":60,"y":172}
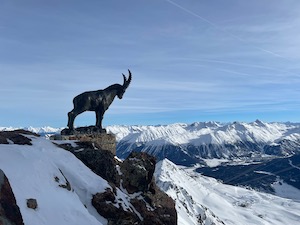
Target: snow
{"x":39,"y":171}
{"x":214,"y":162}
{"x":285,"y":190}
{"x":207,"y":133}
{"x":33,"y":171}
{"x":198,"y":133}
{"x":199,"y":195}
{"x":46,"y":129}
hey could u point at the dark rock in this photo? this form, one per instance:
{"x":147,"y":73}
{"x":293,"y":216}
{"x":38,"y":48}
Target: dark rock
{"x":99,"y":140}
{"x":32,"y":203}
{"x":67,"y":185}
{"x":105,"y":202}
{"x":100,"y":162}
{"x":137,"y":176}
{"x":137,"y":172}
{"x":164,"y":208}
{"x":16,"y":137}
{"x":9,"y":211}
{"x":83,"y":130}
{"x":149,"y":205}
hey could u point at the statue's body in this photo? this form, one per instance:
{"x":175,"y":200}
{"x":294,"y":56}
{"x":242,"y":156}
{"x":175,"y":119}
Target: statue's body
{"x":97,"y":101}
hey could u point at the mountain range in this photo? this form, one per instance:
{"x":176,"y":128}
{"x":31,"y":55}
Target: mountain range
{"x":204,"y":142}
{"x":207,"y":143}
{"x":255,"y":151}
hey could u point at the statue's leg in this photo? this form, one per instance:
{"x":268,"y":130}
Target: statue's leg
{"x":99,"y":118}
{"x":71,"y":118}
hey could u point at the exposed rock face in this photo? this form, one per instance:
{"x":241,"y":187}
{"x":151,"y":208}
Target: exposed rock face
{"x":137,"y":172}
{"x":106,"y":202}
{"x":16,"y":137}
{"x":142,"y":202}
{"x":9,"y":211}
{"x":99,"y":161}
{"x":148,"y":204}
{"x":100,"y":140}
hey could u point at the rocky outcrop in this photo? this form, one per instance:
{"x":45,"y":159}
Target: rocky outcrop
{"x":148,"y":205}
{"x":137,"y":172}
{"x":9,"y":211}
{"x":100,"y":140}
{"x":133,"y":197}
{"x":16,"y":137}
{"x":109,"y":207}
{"x":100,"y":161}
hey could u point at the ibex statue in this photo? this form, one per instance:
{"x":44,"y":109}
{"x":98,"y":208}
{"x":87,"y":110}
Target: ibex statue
{"x":97,"y":101}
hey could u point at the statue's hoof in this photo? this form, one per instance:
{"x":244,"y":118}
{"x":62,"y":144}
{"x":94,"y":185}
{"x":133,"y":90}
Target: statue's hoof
{"x":67,"y":131}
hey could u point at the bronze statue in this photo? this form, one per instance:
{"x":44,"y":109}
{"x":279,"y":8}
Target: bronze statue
{"x":97,"y":101}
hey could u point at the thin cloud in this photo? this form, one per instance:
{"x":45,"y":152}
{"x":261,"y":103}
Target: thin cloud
{"x":214,"y":25}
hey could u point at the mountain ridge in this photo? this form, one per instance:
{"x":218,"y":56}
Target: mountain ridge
{"x":193,"y":143}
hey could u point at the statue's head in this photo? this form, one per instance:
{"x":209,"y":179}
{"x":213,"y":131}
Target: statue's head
{"x":124,"y":86}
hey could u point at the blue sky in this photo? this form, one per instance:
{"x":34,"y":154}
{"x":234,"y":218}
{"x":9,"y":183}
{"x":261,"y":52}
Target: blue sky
{"x":191,"y":60}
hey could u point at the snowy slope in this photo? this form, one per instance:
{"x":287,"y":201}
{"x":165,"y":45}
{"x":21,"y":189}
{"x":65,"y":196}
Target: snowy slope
{"x":34,"y":171}
{"x":198,"y":197}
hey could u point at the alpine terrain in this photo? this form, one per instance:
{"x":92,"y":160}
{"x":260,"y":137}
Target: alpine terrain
{"x":216,"y":173}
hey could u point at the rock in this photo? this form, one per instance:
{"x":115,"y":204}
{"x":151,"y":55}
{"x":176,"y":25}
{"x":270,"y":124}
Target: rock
{"x":164,"y":208}
{"x":105,"y":203}
{"x":153,"y":205}
{"x":32,"y":203}
{"x":9,"y":210}
{"x":100,"y":161}
{"x":16,"y":137}
{"x":148,"y":205}
{"x":137,"y":172}
{"x":83,"y":130}
{"x":100,"y":140}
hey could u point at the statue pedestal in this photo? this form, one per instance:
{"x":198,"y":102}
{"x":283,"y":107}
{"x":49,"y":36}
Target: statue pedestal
{"x":100,"y":140}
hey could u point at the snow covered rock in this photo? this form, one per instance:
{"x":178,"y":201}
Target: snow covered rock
{"x":101,"y":162}
{"x":70,"y":191}
{"x":137,"y":172}
{"x":146,"y":203}
{"x":16,"y":137}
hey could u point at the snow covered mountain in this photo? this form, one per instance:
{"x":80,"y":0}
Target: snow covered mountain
{"x":204,"y":142}
{"x":268,"y":152}
{"x":63,"y":187}
{"x":203,"y":200}
{"x":232,"y":147}
{"x":193,"y":143}
{"x":66,"y":190}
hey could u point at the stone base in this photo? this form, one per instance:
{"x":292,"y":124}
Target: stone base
{"x":83,"y":130}
{"x":100,"y":140}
